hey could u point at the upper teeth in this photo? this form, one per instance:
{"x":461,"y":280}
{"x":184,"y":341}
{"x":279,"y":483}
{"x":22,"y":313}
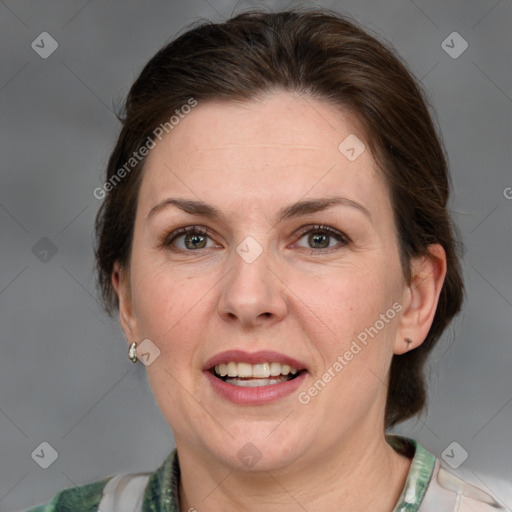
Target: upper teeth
{"x":261,"y":370}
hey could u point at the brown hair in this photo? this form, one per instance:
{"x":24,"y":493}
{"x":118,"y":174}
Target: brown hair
{"x":322,"y":54}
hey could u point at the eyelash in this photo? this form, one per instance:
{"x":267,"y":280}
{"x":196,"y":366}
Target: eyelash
{"x":344,"y":240}
{"x":324,"y":230}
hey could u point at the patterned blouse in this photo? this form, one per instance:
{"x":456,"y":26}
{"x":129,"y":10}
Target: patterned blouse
{"x":428,"y":488}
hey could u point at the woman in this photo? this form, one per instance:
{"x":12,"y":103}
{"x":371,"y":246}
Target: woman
{"x":274,"y":234}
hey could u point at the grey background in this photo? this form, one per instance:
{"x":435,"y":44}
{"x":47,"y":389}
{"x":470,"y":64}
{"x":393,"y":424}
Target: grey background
{"x":64,"y":374}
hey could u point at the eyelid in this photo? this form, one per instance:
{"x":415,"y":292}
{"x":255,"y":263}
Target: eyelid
{"x":321,"y":227}
{"x":342,"y":238}
{"x":168,"y":238}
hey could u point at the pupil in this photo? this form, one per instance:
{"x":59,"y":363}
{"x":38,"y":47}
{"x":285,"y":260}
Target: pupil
{"x":195,"y":239}
{"x":317,"y":239}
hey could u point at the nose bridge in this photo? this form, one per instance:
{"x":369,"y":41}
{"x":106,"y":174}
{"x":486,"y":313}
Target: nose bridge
{"x":251,"y":291}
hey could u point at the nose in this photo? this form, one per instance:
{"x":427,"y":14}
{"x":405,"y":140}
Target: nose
{"x":253,"y":293}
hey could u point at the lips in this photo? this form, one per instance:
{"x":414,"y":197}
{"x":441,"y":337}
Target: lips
{"x":257,"y":395}
{"x":254,"y":378}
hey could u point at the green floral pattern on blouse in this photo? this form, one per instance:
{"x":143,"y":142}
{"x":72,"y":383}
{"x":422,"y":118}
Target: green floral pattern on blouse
{"x":162,"y":491}
{"x":420,"y":473}
{"x":84,"y":498}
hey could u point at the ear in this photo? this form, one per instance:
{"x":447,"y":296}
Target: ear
{"x":420,"y":298}
{"x":121,"y":284}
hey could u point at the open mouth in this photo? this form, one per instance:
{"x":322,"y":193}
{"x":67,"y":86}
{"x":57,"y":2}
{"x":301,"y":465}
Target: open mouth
{"x":255,"y":375}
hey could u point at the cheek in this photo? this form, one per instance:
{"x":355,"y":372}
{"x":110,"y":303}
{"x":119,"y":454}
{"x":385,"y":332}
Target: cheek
{"x":162,"y":296}
{"x":353,"y":358}
{"x":353,"y":318}
{"x":168,"y":312}
{"x":349,"y":299}
{"x":174,"y":308}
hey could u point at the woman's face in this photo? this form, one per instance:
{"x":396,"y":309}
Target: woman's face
{"x":264,"y":278}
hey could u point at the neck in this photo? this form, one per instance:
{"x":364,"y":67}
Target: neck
{"x":359,"y":476}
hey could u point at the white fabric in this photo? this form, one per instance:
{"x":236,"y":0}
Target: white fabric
{"x":449,"y":493}
{"x":124,"y":493}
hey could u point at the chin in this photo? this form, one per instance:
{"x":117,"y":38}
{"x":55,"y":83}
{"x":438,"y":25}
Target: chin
{"x":254,"y":449}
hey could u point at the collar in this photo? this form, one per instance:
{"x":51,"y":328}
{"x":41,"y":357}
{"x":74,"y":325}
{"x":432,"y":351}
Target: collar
{"x":420,"y":472}
{"x":162,"y":491}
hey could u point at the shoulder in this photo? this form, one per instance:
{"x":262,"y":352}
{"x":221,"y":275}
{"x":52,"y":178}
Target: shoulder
{"x":122,"y":492}
{"x":83,"y":498}
{"x":430,"y":487}
{"x":447,"y":491}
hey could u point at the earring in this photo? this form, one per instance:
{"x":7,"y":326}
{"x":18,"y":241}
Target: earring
{"x":408,"y":341}
{"x":132,"y":353}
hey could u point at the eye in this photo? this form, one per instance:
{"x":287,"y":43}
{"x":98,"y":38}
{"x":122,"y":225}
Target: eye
{"x":320,"y":237}
{"x":193,"y":238}
{"x":189,"y":238}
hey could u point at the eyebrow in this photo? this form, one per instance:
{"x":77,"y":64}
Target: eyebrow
{"x":297,"y":209}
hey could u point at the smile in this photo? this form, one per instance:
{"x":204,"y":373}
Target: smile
{"x":254,"y":378}
{"x":254,"y":375}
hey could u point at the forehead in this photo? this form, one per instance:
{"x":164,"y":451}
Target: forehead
{"x":282,"y":143}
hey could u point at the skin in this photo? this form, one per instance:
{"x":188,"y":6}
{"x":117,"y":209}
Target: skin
{"x":249,"y":160}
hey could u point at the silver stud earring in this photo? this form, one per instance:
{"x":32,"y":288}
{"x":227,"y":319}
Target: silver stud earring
{"x":132,"y":352}
{"x":408,"y":341}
